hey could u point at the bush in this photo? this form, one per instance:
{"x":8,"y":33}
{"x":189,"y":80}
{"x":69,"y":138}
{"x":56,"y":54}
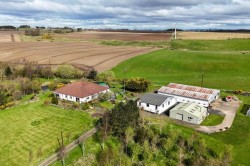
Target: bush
{"x":54,"y":100}
{"x":60,"y":85}
{"x":75,"y":105}
{"x":92,"y":74}
{"x":68,"y":71}
{"x":9,"y":104}
{"x":46,"y":102}
{"x":104,"y":97}
{"x":85,"y":106}
{"x":17,"y":95}
{"x":137,"y":84}
{"x":2,"y":107}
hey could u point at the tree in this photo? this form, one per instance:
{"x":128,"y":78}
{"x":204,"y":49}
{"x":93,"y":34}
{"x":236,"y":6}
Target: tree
{"x":92,"y":74}
{"x":122,"y":116}
{"x":54,"y":100}
{"x":7,"y":71}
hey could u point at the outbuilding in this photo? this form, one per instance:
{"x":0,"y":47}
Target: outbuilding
{"x":189,"y":112}
{"x":190,"y":94}
{"x":80,"y":91}
{"x":156,"y":103}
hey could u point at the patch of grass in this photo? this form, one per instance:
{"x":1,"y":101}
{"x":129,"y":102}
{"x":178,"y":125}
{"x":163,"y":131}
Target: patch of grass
{"x":237,"y":136}
{"x":161,"y":44}
{"x":212,"y":120}
{"x":219,"y":45}
{"x":27,"y":128}
{"x":220,"y":70}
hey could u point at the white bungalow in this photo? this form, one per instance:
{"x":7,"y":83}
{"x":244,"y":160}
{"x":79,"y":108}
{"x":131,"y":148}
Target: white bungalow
{"x":80,"y":91}
{"x":189,"y":112}
{"x":156,"y":103}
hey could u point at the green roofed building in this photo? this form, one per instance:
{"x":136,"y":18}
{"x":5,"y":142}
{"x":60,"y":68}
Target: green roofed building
{"x":189,"y":112}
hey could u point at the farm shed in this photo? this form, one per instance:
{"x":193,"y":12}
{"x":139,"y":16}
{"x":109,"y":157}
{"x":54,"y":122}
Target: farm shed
{"x":80,"y":91}
{"x":156,"y":103}
{"x":190,"y":94}
{"x":189,"y":112}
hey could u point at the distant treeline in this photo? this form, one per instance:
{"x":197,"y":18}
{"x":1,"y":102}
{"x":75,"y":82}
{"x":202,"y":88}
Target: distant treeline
{"x":7,"y":27}
{"x":222,"y":30}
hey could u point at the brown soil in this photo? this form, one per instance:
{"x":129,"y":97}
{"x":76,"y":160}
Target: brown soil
{"x":77,"y":53}
{"x":211,"y":35}
{"x":9,"y":36}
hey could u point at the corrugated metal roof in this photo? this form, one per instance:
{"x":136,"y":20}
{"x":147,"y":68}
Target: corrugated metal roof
{"x":154,"y":99}
{"x":188,"y":91}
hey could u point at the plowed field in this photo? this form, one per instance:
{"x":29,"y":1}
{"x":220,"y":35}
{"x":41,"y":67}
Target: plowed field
{"x":55,"y":53}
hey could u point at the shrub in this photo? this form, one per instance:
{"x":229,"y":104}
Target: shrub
{"x":46,"y":102}
{"x":103,"y":97}
{"x":9,"y":104}
{"x":85,"y":106}
{"x":92,"y":74}
{"x":137,"y":84}
{"x":67,"y":71}
{"x":75,"y":105}
{"x":60,"y":85}
{"x":17,"y":95}
{"x":2,"y":107}
{"x":54,"y":100}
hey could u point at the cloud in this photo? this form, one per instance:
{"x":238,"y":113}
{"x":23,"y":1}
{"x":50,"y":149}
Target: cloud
{"x":147,"y":14}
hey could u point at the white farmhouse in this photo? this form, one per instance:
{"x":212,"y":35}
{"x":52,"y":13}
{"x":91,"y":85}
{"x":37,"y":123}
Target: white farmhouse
{"x":190,"y":94}
{"x":156,"y":103}
{"x":80,"y":91}
{"x":189,"y":112}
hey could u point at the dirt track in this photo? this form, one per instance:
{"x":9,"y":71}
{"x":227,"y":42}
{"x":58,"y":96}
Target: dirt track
{"x":84,"y":53}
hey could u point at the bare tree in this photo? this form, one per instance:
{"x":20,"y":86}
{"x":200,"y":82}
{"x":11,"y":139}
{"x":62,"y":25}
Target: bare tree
{"x":61,"y":151}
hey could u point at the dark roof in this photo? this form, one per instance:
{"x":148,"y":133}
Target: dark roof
{"x":154,"y":99}
{"x":81,"y":89}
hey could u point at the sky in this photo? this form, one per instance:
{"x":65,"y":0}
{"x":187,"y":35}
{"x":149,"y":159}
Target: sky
{"x":131,"y":14}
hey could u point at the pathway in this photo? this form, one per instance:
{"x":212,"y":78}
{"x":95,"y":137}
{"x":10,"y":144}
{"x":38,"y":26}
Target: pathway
{"x":229,"y":109}
{"x":69,"y":147}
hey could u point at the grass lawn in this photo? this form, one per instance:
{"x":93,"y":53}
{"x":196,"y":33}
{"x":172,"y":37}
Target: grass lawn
{"x":27,"y":128}
{"x":237,"y":136}
{"x":212,"y":120}
{"x":221,"y":70}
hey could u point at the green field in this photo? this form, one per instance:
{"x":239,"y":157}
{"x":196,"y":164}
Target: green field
{"x":220,"y":70}
{"x":223,"y":64}
{"x":218,"y":45}
{"x":29,"y":132}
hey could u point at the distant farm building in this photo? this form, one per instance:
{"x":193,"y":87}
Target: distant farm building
{"x":190,"y":94}
{"x":156,"y":103}
{"x":80,"y":91}
{"x":189,"y":112}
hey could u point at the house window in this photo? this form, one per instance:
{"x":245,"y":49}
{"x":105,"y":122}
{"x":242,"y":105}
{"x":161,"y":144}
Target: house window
{"x":139,"y":103}
{"x":156,"y":107}
{"x":162,"y":105}
{"x":168,"y":102}
{"x":66,"y":96}
{"x":190,"y":118}
{"x":147,"y":105}
{"x":77,"y":99}
{"x":57,"y":95}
